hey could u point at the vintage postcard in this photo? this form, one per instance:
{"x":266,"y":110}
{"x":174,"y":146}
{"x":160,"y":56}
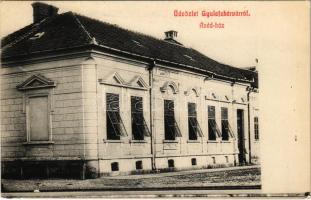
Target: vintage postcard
{"x":155,"y":99}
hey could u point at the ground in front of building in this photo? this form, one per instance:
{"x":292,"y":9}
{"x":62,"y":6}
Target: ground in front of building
{"x":235,"y":176}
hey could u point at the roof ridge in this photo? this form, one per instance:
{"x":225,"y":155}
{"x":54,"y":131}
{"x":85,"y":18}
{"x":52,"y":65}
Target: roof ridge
{"x":82,"y":27}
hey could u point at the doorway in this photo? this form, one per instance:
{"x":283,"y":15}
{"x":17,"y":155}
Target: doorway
{"x":241,"y":140}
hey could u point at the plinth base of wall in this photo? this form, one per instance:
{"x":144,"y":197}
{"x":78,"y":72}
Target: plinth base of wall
{"x":49,"y":169}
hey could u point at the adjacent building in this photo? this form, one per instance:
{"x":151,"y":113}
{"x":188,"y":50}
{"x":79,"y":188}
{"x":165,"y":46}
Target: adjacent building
{"x":80,"y":97}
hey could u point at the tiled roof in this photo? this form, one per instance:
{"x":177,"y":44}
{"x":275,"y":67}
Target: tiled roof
{"x":60,"y":32}
{"x":69,"y":30}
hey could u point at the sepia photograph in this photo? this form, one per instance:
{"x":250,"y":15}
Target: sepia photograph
{"x":129,"y":99}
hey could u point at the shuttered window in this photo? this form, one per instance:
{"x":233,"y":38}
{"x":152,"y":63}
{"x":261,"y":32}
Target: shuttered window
{"x":115,"y":125}
{"x":224,"y":124}
{"x":194,"y":129}
{"x":226,"y":130}
{"x":139,"y":125}
{"x":213,"y":129}
{"x":171,"y":128}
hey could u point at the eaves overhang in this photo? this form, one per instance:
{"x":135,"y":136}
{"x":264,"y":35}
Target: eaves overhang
{"x":88,"y":48}
{"x":41,"y":54}
{"x":169,"y":63}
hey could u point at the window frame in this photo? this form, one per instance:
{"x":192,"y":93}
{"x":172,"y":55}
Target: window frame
{"x":194,"y":129}
{"x":116,"y":114}
{"x":136,"y":114}
{"x":212,"y":124}
{"x":49,"y":117}
{"x":225,"y":125}
{"x":171,"y":124}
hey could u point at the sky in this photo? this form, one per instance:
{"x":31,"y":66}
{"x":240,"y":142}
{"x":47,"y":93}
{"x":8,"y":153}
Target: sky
{"x":235,"y":44}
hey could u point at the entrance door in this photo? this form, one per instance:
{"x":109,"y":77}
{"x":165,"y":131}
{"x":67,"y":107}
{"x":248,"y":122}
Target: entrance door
{"x":240,"y":131}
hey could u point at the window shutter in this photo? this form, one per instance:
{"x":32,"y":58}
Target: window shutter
{"x":139,"y":125}
{"x":171,"y":127}
{"x":114,"y":121}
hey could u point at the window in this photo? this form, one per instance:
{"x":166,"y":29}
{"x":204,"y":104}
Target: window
{"x":224,"y":124}
{"x":256,"y":128}
{"x":139,"y":126}
{"x":38,"y":118}
{"x":139,"y":165}
{"x":213,"y":130}
{"x":115,"y":166}
{"x":115,"y":126}
{"x":226,"y":130}
{"x":193,"y":161}
{"x":171,"y":163}
{"x":171,"y":128}
{"x":194,"y":129}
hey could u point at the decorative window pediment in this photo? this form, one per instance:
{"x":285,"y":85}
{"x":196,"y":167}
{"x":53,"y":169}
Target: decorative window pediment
{"x":138,"y":81}
{"x":170,"y":84}
{"x":214,"y":95}
{"x":36,"y":81}
{"x":196,"y":91}
{"x":115,"y":79}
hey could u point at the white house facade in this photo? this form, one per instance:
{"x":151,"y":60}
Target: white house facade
{"x":85,"y":98}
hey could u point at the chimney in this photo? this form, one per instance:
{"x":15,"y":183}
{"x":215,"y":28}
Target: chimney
{"x":170,"y":35}
{"x":42,"y":11}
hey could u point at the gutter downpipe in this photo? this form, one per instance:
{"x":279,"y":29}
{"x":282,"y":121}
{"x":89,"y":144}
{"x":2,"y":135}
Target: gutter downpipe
{"x":249,"y":124}
{"x":83,"y":176}
{"x":236,"y":136}
{"x":150,"y":69}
